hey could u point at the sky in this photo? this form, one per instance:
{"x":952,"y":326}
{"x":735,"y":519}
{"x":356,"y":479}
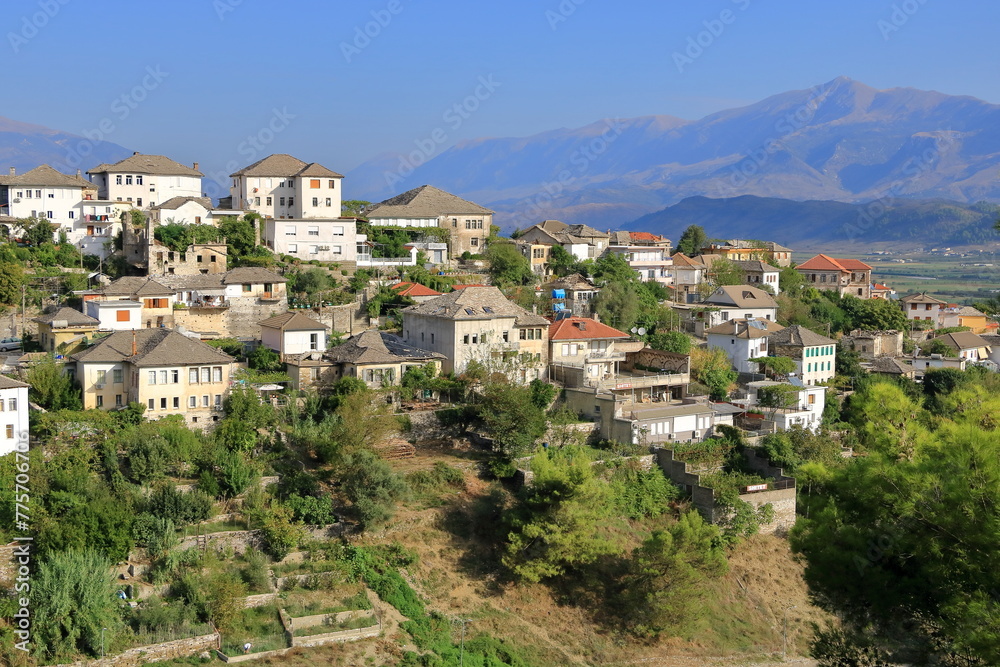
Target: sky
{"x":227,"y":82}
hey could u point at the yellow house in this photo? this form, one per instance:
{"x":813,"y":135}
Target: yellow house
{"x":64,"y":330}
{"x":162,"y":369}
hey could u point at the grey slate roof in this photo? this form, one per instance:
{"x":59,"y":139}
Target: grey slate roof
{"x":138,"y":163}
{"x":756,"y":266}
{"x":741,"y":296}
{"x":475,"y":303}
{"x":46,"y":176}
{"x":922,"y":298}
{"x":963,"y":340}
{"x":251,"y":274}
{"x":137,"y":286}
{"x":71,"y":316}
{"x":890,"y":366}
{"x":11,"y":383}
{"x":378,"y":347}
{"x":425,"y":202}
{"x":287,"y":166}
{"x":740,"y":328}
{"x":574,"y":281}
{"x":292,"y":322}
{"x":175,"y":203}
{"x":798,"y":336}
{"x":154,"y":348}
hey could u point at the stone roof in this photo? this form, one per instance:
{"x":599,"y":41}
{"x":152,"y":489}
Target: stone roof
{"x":251,"y":274}
{"x":46,"y":176}
{"x":475,"y":303}
{"x":922,"y":298}
{"x":71,"y":316}
{"x":890,"y":366}
{"x":755,"y":265}
{"x":138,"y":163}
{"x":425,"y":202}
{"x":574,"y":281}
{"x":969,"y":311}
{"x":741,"y":296}
{"x":137,"y":286}
{"x":741,"y":244}
{"x":798,"y":336}
{"x":378,"y":347}
{"x":582,"y":328}
{"x":292,"y":322}
{"x":284,"y":165}
{"x":11,"y":383}
{"x":746,"y":329}
{"x":175,"y":203}
{"x":198,"y":281}
{"x":826,"y":263}
{"x":585,"y":232}
{"x":154,"y":348}
{"x":962,"y":340}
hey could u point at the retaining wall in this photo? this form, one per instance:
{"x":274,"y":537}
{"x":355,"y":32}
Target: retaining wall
{"x":142,"y":655}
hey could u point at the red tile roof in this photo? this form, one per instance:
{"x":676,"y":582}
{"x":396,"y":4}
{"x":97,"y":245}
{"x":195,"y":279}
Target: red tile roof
{"x":827,"y":263}
{"x":645,"y":236}
{"x":578,"y":328}
{"x":414,"y":289}
{"x":880,"y":286}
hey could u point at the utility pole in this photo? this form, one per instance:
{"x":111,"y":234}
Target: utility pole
{"x":102,"y":641}
{"x":784,"y":634}
{"x":23,"y":288}
{"x":461,"y":654}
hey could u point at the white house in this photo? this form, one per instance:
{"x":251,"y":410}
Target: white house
{"x":323,"y":239}
{"x":805,"y":405}
{"x":13,"y":414}
{"x":293,"y":333}
{"x":742,"y":340}
{"x":758,"y":273}
{"x":184,"y":210}
{"x":648,"y":254}
{"x":46,"y":193}
{"x":686,"y":273}
{"x":967,"y":345}
{"x":924,"y":308}
{"x":815,"y":355}
{"x":287,"y":188}
{"x":146,"y":180}
{"x":123,"y":315}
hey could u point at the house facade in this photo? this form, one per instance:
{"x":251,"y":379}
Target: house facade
{"x":742,"y":340}
{"x":479,"y":324}
{"x":574,"y":293}
{"x":967,"y":316}
{"x":740,"y":250}
{"x":815,"y":356}
{"x":739,"y":301}
{"x":286,"y":188}
{"x":146,"y":180}
{"x":13,"y":415}
{"x":804,"y":408}
{"x":759,"y":273}
{"x":967,"y":345}
{"x":648,"y":254}
{"x":846,"y":276}
{"x":686,"y":274}
{"x":581,"y":241}
{"x":293,"y":334}
{"x":165,"y":371}
{"x":875,"y":344}
{"x":468,"y":224}
{"x":582,"y":349}
{"x":321,"y":239}
{"x":924,"y":308}
{"x":63,"y":330}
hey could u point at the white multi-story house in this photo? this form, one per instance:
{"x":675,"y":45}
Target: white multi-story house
{"x":686,"y":274}
{"x":479,"y":324}
{"x":759,"y":273}
{"x":166,"y":371}
{"x":322,"y":239}
{"x":648,"y":254}
{"x":924,"y":308}
{"x":287,"y":188}
{"x":117,"y":315}
{"x":13,"y":415}
{"x":815,"y":355}
{"x":804,"y":404}
{"x":59,"y":198}
{"x":146,"y":180}
{"x":583,"y":349}
{"x":581,"y":241}
{"x":743,"y":340}
{"x":293,"y":334}
{"x":468,"y":223}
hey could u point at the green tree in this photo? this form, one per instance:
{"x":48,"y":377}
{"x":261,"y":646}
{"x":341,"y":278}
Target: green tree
{"x":239,"y":234}
{"x":36,"y":231}
{"x":692,"y":240}
{"x":873,"y":314}
{"x":74,"y":596}
{"x":561,"y":262}
{"x":265,"y":359}
{"x":612,"y":267}
{"x":372,"y":486}
{"x":618,"y":305}
{"x":11,"y":281}
{"x":790,"y":281}
{"x":508,"y":267}
{"x":51,"y":387}
{"x":725,"y":272}
{"x":670,"y":341}
{"x":512,"y":418}
{"x":354,"y":208}
{"x":775,"y":367}
{"x":175,"y":236}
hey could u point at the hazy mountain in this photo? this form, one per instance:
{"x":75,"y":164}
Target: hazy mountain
{"x":25,"y":146}
{"x":840,"y":141}
{"x":811,"y":223}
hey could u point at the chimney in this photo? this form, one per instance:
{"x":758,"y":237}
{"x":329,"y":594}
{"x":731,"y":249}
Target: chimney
{"x":196,"y":166}
{"x":79,"y":174}
{"x":13,"y":171}
{"x":135,"y":349}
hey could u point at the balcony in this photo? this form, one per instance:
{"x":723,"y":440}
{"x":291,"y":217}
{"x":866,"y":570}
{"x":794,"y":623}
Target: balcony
{"x":209,"y":305}
{"x":100,"y":218}
{"x":270,"y":297}
{"x":605,"y":356}
{"x":639,"y":380}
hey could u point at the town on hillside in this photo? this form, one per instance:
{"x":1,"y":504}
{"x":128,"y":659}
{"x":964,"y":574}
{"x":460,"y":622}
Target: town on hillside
{"x":226,"y":401}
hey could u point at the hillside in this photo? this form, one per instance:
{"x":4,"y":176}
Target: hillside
{"x":803,"y":224}
{"x":840,"y":141}
{"x":25,"y":146}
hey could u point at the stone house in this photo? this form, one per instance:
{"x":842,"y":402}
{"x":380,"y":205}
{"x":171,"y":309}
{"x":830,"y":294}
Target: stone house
{"x":891,"y":366}
{"x":576,"y":293}
{"x":686,"y":274}
{"x":162,"y":369}
{"x":581,"y":241}
{"x":815,"y":356}
{"x":740,"y":250}
{"x":875,"y":344}
{"x":759,"y":273}
{"x":479,"y":324}
{"x":846,"y":276}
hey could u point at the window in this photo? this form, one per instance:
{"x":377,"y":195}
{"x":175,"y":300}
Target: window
{"x":474,"y":242}
{"x":217,"y":374}
{"x":175,"y":377}
{"x":118,"y":179}
{"x":329,"y":202}
{"x":48,"y":214}
{"x":101,"y":376}
{"x":192,"y":376}
{"x":314,"y":184}
{"x":268,"y":201}
{"x":10,"y":431}
{"x":315,"y":201}
{"x":812,"y":399}
{"x":337,"y":249}
{"x":256,"y":201}
{"x":118,"y":400}
{"x":177,"y":403}
{"x":338,"y":230}
{"x":247,"y":287}
{"x":281,"y":201}
{"x":151,"y":404}
{"x":72,"y":215}
{"x":192,"y":401}
{"x":122,"y":315}
{"x":128,"y":179}
{"x":100,"y":401}
{"x":291,"y":201}
{"x":206,"y":375}
{"x":163,"y":377}
{"x":314,"y":250}
{"x":152,"y":377}
{"x":506,"y":336}
{"x":204,"y":401}
{"x":432,"y":337}
{"x":218,"y":400}
{"x":138,"y":201}
{"x":290,"y":230}
{"x":293,"y":247}
{"x":163,"y":404}
{"x":465,"y":339}
{"x":313,"y":230}
{"x":314,"y":342}
{"x":138,"y":180}
{"x":11,"y":404}
{"x":333,"y":185}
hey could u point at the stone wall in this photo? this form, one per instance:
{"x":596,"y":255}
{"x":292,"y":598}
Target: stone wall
{"x":301,"y":622}
{"x":8,"y":563}
{"x":875,"y":344}
{"x":143,"y":655}
{"x":427,"y":427}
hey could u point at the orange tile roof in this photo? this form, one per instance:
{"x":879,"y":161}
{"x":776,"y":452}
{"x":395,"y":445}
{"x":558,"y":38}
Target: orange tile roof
{"x":880,"y":286}
{"x":645,"y":236}
{"x":578,"y":328}
{"x":827,"y":263}
{"x":414,"y":289}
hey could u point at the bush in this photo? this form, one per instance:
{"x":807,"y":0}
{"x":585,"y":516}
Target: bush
{"x":311,"y":510}
{"x":166,"y":502}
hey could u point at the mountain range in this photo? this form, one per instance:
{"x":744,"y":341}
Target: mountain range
{"x":840,"y":141}
{"x":25,"y":146}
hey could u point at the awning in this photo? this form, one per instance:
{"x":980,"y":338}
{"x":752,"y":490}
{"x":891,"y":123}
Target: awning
{"x":269,"y":387}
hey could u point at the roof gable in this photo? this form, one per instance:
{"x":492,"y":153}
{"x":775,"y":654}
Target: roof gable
{"x":425,"y":202}
{"x":138,"y":163}
{"x":46,"y":176}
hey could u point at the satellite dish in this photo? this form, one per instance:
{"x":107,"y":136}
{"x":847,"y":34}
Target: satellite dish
{"x":633,"y":330}
{"x":642,"y":331}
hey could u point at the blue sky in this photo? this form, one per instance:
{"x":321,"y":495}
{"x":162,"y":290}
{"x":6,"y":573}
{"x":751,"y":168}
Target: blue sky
{"x":225,"y":66}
